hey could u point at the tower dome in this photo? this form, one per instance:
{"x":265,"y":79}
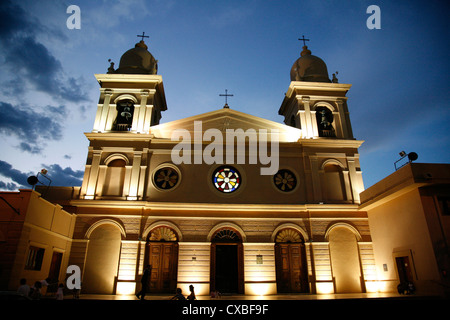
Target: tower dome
{"x":138,"y":61}
{"x":309,"y":68}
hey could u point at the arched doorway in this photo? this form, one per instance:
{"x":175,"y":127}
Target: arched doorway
{"x":102,"y":259}
{"x":290,"y":260}
{"x":345,"y":261}
{"x":162,"y":255}
{"x":227,"y":261}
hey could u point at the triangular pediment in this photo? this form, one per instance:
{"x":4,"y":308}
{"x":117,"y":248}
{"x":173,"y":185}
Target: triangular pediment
{"x":223,"y":120}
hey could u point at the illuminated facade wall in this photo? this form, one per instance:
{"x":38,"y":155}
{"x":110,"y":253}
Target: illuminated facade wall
{"x":259,"y":240}
{"x":35,"y":239}
{"x":409,"y":219}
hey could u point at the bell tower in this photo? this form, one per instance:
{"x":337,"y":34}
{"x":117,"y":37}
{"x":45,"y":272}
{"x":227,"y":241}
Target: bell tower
{"x":313,"y":102}
{"x":318,"y":106}
{"x":131,"y":101}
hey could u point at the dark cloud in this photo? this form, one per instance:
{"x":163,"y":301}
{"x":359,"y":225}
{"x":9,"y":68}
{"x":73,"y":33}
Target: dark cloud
{"x":30,"y":126}
{"x":8,"y":186}
{"x":64,"y":177}
{"x":27,"y":59}
{"x":13,"y":19}
{"x":29,"y":148}
{"x":15,"y":175}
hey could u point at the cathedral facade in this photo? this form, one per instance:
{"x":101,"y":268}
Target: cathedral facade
{"x":224,"y":201}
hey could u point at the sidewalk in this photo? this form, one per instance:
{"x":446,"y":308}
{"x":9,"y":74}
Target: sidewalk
{"x":279,"y":297}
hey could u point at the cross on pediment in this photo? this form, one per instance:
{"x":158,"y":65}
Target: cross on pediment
{"x":142,"y":36}
{"x":226,"y":95}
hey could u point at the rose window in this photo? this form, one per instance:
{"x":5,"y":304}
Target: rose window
{"x":285,"y":180}
{"x":226,"y":179}
{"x":166,"y":178}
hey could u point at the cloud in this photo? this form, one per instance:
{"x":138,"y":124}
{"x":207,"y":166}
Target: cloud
{"x":29,"y":126}
{"x":63,"y":177}
{"x":29,"y":148}
{"x":9,"y":186}
{"x":27,"y":61}
{"x":15,"y":175}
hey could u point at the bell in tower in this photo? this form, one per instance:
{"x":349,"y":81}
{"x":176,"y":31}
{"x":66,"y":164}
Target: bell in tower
{"x":124,"y":119}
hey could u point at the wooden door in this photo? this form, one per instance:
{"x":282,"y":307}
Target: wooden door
{"x":163,"y":257}
{"x":291,"y":268}
{"x":53,"y":274}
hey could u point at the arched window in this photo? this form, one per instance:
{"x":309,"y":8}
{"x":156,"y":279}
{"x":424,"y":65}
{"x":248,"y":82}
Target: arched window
{"x":162,"y":233}
{"x":288,"y":235}
{"x":114,"y":178}
{"x":124,"y":118}
{"x":333,"y":183}
{"x":324,"y":118}
{"x":226,"y":235}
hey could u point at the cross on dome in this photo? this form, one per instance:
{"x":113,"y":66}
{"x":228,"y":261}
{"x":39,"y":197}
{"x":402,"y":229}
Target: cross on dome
{"x":142,"y":36}
{"x":303,"y":39}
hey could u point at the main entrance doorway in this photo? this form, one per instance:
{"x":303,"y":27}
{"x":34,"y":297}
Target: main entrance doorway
{"x":290,"y":261}
{"x":162,"y":255}
{"x":227,"y":267}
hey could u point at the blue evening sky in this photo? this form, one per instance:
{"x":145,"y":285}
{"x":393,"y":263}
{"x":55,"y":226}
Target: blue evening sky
{"x":48,"y":94}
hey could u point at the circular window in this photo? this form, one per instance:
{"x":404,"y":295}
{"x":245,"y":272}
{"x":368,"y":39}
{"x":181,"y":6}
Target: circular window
{"x":226,"y":179}
{"x":285,"y":180}
{"x":166,"y":178}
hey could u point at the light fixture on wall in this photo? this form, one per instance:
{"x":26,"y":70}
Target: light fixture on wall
{"x":412,"y":156}
{"x":33,"y":180}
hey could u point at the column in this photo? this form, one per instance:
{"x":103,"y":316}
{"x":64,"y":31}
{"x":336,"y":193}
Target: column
{"x":148,"y":118}
{"x":343,"y":118}
{"x":126,"y":182}
{"x":309,"y":130}
{"x":135,"y":174}
{"x":348,"y":190}
{"x":101,"y":125}
{"x":355,"y":180}
{"x":317,"y":190}
{"x":126,"y":277}
{"x":142,"y":109}
{"x":93,"y":176}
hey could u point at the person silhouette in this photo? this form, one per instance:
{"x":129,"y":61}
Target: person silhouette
{"x":144,"y":282}
{"x":191,"y":296}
